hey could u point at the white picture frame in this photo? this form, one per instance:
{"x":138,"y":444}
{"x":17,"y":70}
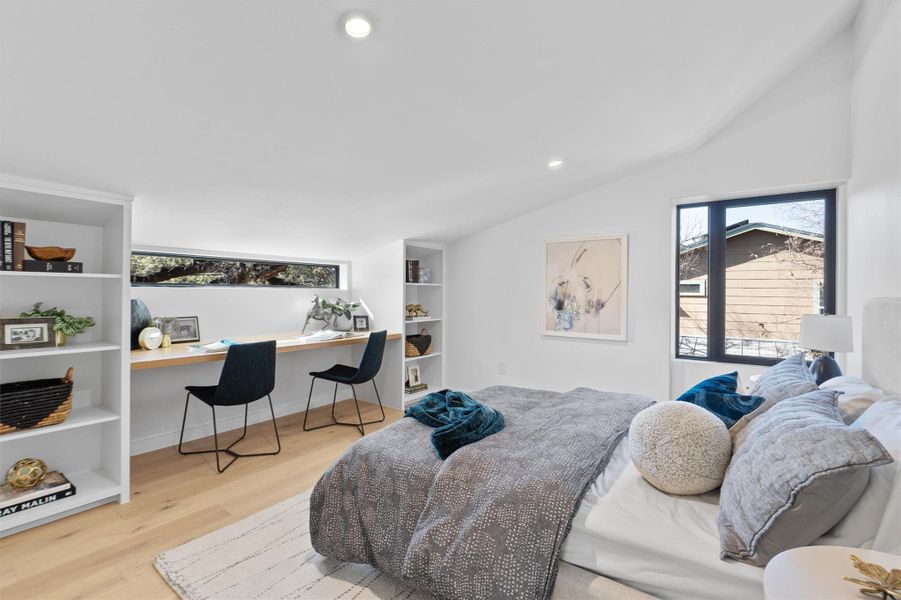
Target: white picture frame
{"x":592,"y":272}
{"x":414,"y":375}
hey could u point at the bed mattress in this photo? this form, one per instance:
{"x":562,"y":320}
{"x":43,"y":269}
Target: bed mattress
{"x":667,"y":546}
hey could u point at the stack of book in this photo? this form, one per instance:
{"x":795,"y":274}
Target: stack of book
{"x":53,"y":487}
{"x":12,"y":250}
{"x":413,"y":389}
{"x":412,"y":271}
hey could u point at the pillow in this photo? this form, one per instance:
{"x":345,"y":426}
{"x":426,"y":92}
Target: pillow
{"x":796,"y":470}
{"x":787,"y":379}
{"x":718,"y":395}
{"x":679,"y":447}
{"x":856,"y":395}
{"x":875,"y":521}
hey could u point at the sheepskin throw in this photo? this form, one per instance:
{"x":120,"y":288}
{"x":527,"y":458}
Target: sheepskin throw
{"x":680,"y":448}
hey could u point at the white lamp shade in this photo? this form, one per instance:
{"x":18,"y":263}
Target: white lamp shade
{"x":826,"y":333}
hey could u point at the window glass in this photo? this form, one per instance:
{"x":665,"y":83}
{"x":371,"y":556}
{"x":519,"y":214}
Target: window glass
{"x":692,"y":309}
{"x":149,"y":269}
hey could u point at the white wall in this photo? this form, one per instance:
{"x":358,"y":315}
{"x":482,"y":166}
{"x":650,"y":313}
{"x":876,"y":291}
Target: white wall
{"x":799,"y":133}
{"x":874,"y":192}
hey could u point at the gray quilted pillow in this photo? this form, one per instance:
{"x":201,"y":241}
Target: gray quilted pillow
{"x":787,"y":379}
{"x":796,"y":470}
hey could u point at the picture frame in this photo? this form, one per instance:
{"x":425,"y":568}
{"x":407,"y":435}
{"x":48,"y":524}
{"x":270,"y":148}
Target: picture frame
{"x":21,"y":333}
{"x":584,"y":287}
{"x":185,"y":329}
{"x":414,"y":375}
{"x":361,"y":322}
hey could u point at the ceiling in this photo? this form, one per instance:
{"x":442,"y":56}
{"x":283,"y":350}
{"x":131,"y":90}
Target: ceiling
{"x":260,"y":127}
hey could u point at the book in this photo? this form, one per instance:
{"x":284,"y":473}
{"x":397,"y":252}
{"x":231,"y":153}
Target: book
{"x":412,"y":389}
{"x":51,"y":266}
{"x":18,"y":245}
{"x":413,"y":271}
{"x":7,"y":245}
{"x":53,"y":487}
{"x":220,"y":346}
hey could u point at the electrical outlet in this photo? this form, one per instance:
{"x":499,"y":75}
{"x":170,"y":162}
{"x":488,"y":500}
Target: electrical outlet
{"x":501,"y":367}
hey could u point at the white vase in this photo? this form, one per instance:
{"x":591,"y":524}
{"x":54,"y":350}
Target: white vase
{"x":343,"y":324}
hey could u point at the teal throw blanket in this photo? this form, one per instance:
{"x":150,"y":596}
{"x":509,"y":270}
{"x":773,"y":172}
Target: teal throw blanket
{"x":458,"y":420}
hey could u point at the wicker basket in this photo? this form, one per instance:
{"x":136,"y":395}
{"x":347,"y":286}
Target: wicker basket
{"x":36,"y":403}
{"x":418,"y":345}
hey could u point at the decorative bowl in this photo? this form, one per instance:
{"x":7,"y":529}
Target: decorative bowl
{"x":52,"y":253}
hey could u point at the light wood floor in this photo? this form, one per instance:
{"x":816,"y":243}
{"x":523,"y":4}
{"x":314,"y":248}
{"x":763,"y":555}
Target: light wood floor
{"x":107,"y":552}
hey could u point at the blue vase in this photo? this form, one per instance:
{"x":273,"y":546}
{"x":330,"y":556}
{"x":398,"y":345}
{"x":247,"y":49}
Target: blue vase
{"x":140,"y":318}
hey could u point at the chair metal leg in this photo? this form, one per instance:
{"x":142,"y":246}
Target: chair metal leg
{"x":307,"y":413}
{"x":379,"y":398}
{"x":183,"y":419}
{"x":357,"y":404}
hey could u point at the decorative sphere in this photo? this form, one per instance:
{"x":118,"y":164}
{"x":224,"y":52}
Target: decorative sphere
{"x":680,"y":448}
{"x":26,"y":473}
{"x":150,"y":338}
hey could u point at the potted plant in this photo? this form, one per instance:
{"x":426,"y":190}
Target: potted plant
{"x":339,"y":313}
{"x":64,"y":324}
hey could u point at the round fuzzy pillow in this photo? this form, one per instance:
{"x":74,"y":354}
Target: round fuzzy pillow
{"x":680,"y":448}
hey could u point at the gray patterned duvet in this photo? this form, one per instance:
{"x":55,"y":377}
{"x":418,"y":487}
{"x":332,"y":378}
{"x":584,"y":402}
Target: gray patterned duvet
{"x":489,"y":521}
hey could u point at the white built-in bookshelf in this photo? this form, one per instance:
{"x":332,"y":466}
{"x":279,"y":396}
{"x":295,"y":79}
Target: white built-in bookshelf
{"x":91,"y":447}
{"x":431,"y":296}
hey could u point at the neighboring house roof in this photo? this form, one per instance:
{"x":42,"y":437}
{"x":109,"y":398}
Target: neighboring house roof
{"x":743,"y":227}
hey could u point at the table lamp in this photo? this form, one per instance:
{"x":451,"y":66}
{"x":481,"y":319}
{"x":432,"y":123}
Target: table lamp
{"x":822,"y":334}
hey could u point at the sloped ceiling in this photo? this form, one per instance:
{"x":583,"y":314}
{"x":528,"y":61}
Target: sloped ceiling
{"x":259,"y":127}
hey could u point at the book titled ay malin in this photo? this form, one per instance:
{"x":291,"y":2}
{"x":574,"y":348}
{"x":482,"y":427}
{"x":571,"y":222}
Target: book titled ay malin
{"x":52,"y":488}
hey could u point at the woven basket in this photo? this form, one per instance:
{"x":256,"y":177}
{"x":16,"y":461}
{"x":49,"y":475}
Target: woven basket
{"x":418,"y":345}
{"x":36,"y":403}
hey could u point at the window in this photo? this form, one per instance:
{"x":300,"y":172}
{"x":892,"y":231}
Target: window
{"x":747,"y":270}
{"x":174,"y":270}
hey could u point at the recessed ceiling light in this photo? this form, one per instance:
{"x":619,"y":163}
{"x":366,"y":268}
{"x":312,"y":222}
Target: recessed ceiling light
{"x":555,"y":163}
{"x":357,"y":26}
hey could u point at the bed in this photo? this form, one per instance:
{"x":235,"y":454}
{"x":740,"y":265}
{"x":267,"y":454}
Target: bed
{"x":627,"y":539}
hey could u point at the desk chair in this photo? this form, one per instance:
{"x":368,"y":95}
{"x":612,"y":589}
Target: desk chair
{"x":368,"y":369}
{"x":247,"y":375}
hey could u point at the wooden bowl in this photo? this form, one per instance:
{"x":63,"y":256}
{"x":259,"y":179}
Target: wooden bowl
{"x":54,"y":253}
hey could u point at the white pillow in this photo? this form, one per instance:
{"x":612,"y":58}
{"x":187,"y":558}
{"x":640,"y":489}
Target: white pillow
{"x":856,"y":395}
{"x":875,"y":521}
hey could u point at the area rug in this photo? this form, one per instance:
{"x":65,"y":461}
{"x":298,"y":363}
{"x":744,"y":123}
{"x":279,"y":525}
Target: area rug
{"x":269,"y":556}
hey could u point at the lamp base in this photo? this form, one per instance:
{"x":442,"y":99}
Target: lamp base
{"x":824,"y":368}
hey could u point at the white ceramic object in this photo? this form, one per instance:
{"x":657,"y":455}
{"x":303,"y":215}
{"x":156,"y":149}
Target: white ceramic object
{"x":150,"y":338}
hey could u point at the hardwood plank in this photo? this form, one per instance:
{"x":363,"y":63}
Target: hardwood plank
{"x":108,"y":552}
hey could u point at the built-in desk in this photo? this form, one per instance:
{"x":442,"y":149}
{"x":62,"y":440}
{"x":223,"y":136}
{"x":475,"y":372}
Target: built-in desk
{"x":179,"y":354}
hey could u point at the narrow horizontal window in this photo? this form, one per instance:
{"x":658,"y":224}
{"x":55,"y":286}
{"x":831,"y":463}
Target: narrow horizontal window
{"x":748,"y":269}
{"x":181,"y":270}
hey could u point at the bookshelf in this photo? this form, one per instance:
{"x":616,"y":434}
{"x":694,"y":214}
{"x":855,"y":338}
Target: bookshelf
{"x":431,"y":296}
{"x":91,"y":447}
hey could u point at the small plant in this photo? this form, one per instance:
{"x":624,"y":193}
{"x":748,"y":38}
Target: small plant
{"x":330,"y":311}
{"x":63,"y":323}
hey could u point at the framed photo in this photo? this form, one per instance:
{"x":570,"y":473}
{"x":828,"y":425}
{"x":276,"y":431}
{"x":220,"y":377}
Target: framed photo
{"x":414,"y":375}
{"x":361,"y":322}
{"x":584,"y":285}
{"x":20,"y":333}
{"x":185,"y":329}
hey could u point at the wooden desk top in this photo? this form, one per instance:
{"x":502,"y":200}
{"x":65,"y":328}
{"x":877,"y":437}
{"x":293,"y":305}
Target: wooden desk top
{"x":179,"y":354}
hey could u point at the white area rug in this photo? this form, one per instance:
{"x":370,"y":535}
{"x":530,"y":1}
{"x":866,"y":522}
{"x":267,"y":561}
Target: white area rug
{"x":267,"y":556}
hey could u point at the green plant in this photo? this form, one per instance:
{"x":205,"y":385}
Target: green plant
{"x":62,"y":321}
{"x":338,"y":308}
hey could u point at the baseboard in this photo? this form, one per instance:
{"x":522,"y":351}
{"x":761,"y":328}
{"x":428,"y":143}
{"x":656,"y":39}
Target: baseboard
{"x":257,"y":414}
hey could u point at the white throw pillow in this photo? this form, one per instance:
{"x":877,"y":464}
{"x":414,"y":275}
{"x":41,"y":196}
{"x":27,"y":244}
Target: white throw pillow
{"x":856,"y":395}
{"x":875,"y":521}
{"x":680,"y":448}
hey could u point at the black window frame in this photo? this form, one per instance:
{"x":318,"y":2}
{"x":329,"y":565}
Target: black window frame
{"x":335,"y":267}
{"x":716,"y":268}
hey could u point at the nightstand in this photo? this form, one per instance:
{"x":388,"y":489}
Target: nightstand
{"x":815,"y":572}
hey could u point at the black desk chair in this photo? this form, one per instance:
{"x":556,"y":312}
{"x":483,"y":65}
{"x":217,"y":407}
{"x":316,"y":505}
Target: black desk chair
{"x":368,"y":369}
{"x":248,"y":375}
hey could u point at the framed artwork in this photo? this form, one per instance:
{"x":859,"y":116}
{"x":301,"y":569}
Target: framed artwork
{"x":20,"y":333}
{"x":184,"y":329}
{"x":361,"y":322}
{"x":414,"y":375}
{"x":584,"y":287}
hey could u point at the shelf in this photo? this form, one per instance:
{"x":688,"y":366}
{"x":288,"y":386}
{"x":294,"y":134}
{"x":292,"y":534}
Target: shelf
{"x":413,"y":398}
{"x":90,"y":487}
{"x":79,"y":417}
{"x":415,"y":358}
{"x":422,"y":320}
{"x":70,"y":348}
{"x":61,"y":275}
{"x":423,"y":284}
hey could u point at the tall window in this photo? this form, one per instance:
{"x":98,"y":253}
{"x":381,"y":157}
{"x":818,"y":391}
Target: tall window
{"x":173,"y":270}
{"x":747,"y":270}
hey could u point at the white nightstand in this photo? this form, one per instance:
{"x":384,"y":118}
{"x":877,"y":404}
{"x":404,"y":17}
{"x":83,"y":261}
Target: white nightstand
{"x":815,"y":572}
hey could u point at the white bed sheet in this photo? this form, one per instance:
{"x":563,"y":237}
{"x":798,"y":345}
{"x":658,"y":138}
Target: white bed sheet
{"x":667,"y":546}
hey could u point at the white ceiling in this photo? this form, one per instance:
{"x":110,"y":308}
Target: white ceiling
{"x":259,"y":127}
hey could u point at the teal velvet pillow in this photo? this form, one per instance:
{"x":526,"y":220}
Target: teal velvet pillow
{"x":719,"y":396}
